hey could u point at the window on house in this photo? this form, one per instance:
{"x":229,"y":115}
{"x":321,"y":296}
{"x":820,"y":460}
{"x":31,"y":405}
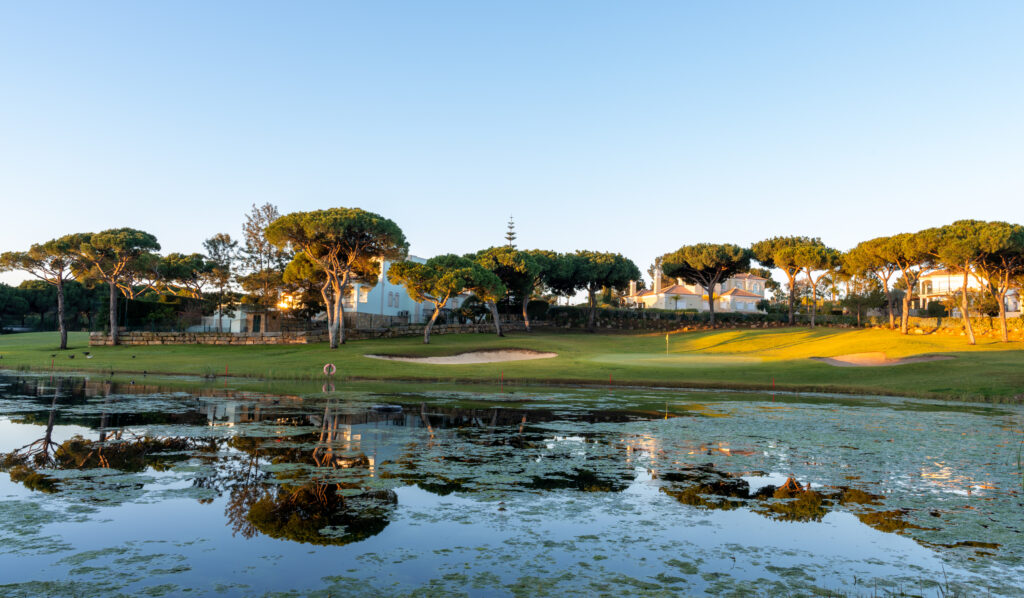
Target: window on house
{"x":364,"y":294}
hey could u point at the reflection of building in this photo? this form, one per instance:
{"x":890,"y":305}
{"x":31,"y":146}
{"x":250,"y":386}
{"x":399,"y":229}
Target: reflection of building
{"x":737,"y":294}
{"x":941,"y":285}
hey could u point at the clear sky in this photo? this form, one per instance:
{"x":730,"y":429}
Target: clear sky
{"x":634,"y":127}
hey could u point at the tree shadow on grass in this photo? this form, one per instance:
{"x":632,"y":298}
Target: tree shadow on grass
{"x":807,"y":336}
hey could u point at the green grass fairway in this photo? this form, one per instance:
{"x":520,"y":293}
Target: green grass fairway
{"x":723,"y":359}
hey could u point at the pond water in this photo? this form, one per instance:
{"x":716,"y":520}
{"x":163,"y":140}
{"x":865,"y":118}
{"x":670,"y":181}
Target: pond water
{"x":363,"y":490}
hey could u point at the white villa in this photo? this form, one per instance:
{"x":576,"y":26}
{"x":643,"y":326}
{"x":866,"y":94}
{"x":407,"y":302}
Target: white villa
{"x":737,"y":294}
{"x":368,"y":305}
{"x":939,"y":285}
{"x":387,"y":299}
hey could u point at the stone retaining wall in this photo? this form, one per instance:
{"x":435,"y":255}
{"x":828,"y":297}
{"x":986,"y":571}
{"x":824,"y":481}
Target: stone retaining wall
{"x":288,"y":338}
{"x":209,"y":338}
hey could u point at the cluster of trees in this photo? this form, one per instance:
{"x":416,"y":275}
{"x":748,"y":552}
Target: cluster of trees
{"x":33,"y":303}
{"x":990,"y":252}
{"x":126,"y":262}
{"x":506,"y":272}
{"x":318,"y":256}
{"x":336,"y":247}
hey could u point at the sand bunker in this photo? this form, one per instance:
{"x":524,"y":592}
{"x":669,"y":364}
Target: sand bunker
{"x":473,"y":357}
{"x":854,"y":360}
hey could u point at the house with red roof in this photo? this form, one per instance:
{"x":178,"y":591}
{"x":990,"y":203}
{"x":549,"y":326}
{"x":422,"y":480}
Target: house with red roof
{"x":740,"y":293}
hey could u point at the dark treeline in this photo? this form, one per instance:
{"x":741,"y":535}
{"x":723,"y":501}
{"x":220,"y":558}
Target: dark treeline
{"x":89,"y":280}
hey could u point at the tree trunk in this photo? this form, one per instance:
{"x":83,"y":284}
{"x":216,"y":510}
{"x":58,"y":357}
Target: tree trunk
{"x":334,"y":311}
{"x":339,"y":319}
{"x":592,"y":292}
{"x":905,"y":312}
{"x":888,"y":305}
{"x":430,"y":324}
{"x":1002,"y":317}
{"x":113,"y":313}
{"x":329,"y":309}
{"x":494,"y":316}
{"x":711,"y":304}
{"x":792,"y":299}
{"x":814,"y":296}
{"x":50,"y":421}
{"x":814,"y":302}
{"x":219,"y":312}
{"x":963,"y":307}
{"x":61,"y":324}
{"x":526,"y":316}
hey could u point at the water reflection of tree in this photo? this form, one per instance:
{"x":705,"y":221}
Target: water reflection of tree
{"x":325,"y":488}
{"x":248,"y":486}
{"x":318,"y":513}
{"x":23,"y":464}
{"x":311,"y":506}
{"x":41,"y":452}
{"x":111,"y":451}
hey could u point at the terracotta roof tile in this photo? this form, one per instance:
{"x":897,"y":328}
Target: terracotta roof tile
{"x":739,"y":293}
{"x":677,"y":289}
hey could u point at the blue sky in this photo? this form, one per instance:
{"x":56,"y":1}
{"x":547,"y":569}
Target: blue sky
{"x":619,"y":126}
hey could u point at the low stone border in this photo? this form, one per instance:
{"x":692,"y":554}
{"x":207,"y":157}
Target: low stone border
{"x":288,"y":338}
